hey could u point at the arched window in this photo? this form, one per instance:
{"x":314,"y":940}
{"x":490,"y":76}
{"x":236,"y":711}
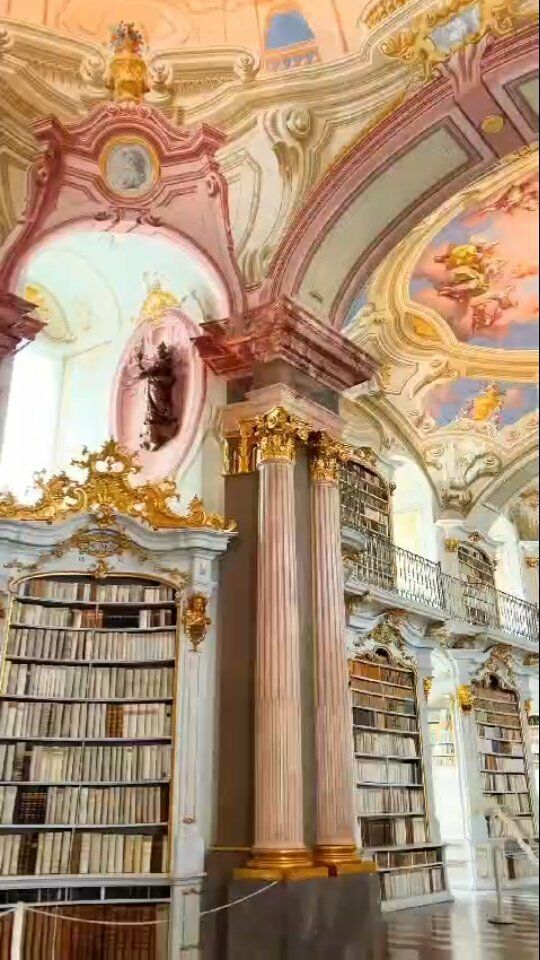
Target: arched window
{"x":289,"y":40}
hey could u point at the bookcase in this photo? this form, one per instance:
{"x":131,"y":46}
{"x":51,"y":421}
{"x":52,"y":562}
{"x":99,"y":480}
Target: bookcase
{"x":503,"y":767}
{"x":441,"y":733}
{"x":365,"y":500}
{"x":393,"y":819}
{"x":86,"y":738}
{"x":476,"y":571}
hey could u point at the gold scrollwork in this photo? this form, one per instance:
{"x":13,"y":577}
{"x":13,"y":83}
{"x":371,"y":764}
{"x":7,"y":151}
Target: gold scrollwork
{"x":427,"y":683}
{"x":108,"y":489}
{"x":465,"y":697}
{"x":415,"y":44}
{"x":195,"y":620}
{"x":532,"y":562}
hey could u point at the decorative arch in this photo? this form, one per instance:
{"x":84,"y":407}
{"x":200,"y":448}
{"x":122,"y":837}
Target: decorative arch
{"x":182,"y":192}
{"x":433,"y":147}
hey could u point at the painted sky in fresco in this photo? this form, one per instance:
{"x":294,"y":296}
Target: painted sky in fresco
{"x":470,"y":399}
{"x":487,"y":288}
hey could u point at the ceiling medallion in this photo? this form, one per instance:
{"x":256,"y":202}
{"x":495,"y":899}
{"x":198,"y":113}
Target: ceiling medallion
{"x":107,"y":490}
{"x":129,"y":166}
{"x":492,"y":124}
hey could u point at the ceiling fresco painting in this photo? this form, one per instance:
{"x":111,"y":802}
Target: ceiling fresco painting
{"x":452,"y":318}
{"x":480,"y":273}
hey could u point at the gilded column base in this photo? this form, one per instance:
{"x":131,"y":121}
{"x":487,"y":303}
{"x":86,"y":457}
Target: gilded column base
{"x":342,"y":859}
{"x":293,"y":864}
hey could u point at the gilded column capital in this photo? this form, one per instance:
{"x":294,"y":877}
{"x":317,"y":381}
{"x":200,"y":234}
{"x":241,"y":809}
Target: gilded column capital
{"x":277,"y":433}
{"x":451,"y":544}
{"x":465,"y":697}
{"x":326,"y":456}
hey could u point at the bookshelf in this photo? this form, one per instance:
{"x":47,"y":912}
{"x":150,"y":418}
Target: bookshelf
{"x":442,"y":738}
{"x":393,"y":819}
{"x":86,"y":737}
{"x":476,"y":571}
{"x":503,"y":766}
{"x":365,"y":500}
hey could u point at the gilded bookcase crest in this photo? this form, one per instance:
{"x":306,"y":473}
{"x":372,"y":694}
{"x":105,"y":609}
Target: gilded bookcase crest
{"x":106,"y":489}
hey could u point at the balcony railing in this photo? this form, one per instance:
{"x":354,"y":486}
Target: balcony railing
{"x":380,"y":563}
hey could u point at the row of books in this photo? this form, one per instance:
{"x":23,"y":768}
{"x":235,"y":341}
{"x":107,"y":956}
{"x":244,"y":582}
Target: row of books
{"x":495,"y":719}
{"x":503,"y":764}
{"x":88,"y":591}
{"x":415,"y":883}
{"x":80,"y":720}
{"x":28,"y":614}
{"x":388,"y":675}
{"x":384,"y":721}
{"x":386,"y":771}
{"x":390,"y":859}
{"x":526,"y":827}
{"x":58,"y":764}
{"x":513,"y":802}
{"x":507,"y":782}
{"x":62,"y":852}
{"x":506,"y":748}
{"x":385,"y":744}
{"x":54,"y":644}
{"x":499,"y":733}
{"x":382,"y":689}
{"x":370,"y":800}
{"x":83,"y":805}
{"x":40,"y":680}
{"x":396,"y":831}
{"x":405,"y":707}
{"x":496,"y":696}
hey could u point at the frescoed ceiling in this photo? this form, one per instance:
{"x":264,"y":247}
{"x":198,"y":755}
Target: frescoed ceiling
{"x":453,"y":316}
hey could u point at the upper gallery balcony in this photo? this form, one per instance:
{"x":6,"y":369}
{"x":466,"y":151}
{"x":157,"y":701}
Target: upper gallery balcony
{"x":373,"y":562}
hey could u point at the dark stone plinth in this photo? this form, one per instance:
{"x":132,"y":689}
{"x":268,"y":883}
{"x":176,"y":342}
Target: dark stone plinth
{"x":337,"y":918}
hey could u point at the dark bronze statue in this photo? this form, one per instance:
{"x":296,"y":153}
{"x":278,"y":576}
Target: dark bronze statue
{"x":162,"y":419}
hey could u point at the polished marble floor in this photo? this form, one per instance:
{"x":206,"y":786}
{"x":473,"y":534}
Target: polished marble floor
{"x":461,"y":930}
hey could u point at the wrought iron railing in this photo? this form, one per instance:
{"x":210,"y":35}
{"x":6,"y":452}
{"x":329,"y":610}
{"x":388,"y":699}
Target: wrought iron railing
{"x":380,"y":563}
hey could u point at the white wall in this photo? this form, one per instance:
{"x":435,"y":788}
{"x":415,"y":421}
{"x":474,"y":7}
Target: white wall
{"x":413,"y":511}
{"x":32,"y":417}
{"x":508,"y":575}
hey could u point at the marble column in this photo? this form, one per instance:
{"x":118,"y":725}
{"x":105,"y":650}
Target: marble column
{"x":279,"y":823}
{"x":336,"y":842}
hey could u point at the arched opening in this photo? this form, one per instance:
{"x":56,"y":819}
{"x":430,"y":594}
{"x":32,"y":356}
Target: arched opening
{"x":93,"y":289}
{"x":289,"y":40}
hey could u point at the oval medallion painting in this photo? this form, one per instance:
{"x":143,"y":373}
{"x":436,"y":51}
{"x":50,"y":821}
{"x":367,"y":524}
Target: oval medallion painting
{"x":129,"y":166}
{"x":159,"y":394}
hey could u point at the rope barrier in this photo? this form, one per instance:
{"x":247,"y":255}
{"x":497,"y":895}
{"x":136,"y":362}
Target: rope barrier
{"x":141,"y":923}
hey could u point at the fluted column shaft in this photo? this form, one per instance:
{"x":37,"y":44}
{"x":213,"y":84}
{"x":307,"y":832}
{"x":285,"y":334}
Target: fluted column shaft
{"x":336,"y":842}
{"x":279,"y":827}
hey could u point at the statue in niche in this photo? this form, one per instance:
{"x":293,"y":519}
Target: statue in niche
{"x":162,"y":419}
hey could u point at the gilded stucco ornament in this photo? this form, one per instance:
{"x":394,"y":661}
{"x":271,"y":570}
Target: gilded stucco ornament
{"x":419,"y":45}
{"x":327,"y":455}
{"x":127,"y":69}
{"x":500,"y":665}
{"x":451,"y":545}
{"x":532,"y":562}
{"x":427,"y":683}
{"x":465,"y":697}
{"x":277,"y":433}
{"x":195,"y":619}
{"x":108,"y":489}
